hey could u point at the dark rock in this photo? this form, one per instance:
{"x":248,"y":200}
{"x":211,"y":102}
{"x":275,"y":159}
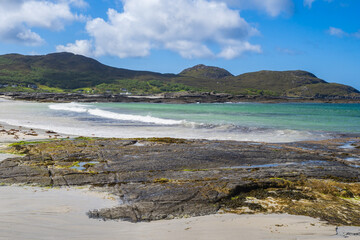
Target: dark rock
{"x":175,"y":98}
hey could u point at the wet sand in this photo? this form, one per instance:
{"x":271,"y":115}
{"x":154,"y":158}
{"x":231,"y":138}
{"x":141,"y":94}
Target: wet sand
{"x":34,"y":213}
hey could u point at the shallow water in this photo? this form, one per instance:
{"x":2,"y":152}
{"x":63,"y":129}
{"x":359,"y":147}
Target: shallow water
{"x":240,"y":122}
{"x":347,"y":145}
{"x":80,"y":165}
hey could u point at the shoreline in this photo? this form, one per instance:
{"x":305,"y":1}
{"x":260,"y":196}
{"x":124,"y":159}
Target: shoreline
{"x":219,"y":226}
{"x":169,"y":98}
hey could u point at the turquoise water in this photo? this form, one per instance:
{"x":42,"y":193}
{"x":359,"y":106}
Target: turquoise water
{"x":242,"y":121}
{"x":297,"y":116}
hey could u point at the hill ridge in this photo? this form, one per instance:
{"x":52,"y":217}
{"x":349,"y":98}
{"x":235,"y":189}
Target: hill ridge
{"x":72,"y":72}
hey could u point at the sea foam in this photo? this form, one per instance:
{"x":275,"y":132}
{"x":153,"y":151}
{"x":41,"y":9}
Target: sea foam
{"x":130,"y":117}
{"x":72,"y":107}
{"x":80,"y":108}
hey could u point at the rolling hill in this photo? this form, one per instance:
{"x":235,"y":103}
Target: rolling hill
{"x":70,"y":72}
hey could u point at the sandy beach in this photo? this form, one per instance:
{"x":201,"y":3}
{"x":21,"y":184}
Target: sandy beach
{"x":60,"y":214}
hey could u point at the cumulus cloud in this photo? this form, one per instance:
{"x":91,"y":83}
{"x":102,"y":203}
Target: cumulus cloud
{"x":18,"y":17}
{"x":82,"y":47}
{"x":271,"y":7}
{"x":189,"y":27}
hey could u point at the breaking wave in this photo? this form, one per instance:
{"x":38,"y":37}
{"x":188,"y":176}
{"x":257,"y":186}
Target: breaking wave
{"x":80,"y":108}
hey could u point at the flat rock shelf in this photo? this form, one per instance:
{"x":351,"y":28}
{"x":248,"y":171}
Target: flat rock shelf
{"x":165,"y":178}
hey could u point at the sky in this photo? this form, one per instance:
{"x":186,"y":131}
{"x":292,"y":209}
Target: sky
{"x":319,"y":36}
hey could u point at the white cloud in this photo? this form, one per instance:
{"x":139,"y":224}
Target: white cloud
{"x":236,"y":48}
{"x":271,"y":7}
{"x":29,"y":37}
{"x":78,"y":3}
{"x":82,"y":47}
{"x":189,"y":49}
{"x":18,"y":17}
{"x":189,"y":27}
{"x":337,"y":32}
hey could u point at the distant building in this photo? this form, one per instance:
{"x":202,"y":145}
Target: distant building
{"x":33,"y":86}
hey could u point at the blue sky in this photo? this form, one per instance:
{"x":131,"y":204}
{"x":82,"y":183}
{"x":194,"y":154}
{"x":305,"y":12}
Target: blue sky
{"x":320,"y":36}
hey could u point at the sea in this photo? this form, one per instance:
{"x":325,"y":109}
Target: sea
{"x":260,"y":122}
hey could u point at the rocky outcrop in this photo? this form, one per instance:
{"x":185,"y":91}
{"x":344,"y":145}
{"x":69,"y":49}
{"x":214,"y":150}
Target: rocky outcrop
{"x":166,"y":178}
{"x":176,"y":98}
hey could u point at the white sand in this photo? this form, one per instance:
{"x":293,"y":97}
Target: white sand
{"x":33,"y":213}
{"x":5,"y":156}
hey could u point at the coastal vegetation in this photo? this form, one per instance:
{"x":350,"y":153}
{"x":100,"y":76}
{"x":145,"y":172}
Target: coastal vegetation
{"x":66,"y":72}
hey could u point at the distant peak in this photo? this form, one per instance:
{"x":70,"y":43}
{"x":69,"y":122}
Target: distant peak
{"x":61,"y":54}
{"x":302,"y":73}
{"x":203,"y":71}
{"x":200,"y":66}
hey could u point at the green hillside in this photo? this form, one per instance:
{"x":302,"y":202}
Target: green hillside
{"x":62,"y":70}
{"x":275,"y":83}
{"x":70,"y":72}
{"x":323,"y":90}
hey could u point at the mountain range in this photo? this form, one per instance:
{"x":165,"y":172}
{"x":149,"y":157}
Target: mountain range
{"x":59,"y":72}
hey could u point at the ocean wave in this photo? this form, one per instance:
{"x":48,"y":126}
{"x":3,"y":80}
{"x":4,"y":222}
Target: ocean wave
{"x":80,"y":108}
{"x":72,"y":127}
{"x":72,"y":107}
{"x":130,"y":117}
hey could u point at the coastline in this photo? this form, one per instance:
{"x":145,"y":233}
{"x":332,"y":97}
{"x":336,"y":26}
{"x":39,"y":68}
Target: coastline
{"x":169,"y":98}
{"x":223,"y":226}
